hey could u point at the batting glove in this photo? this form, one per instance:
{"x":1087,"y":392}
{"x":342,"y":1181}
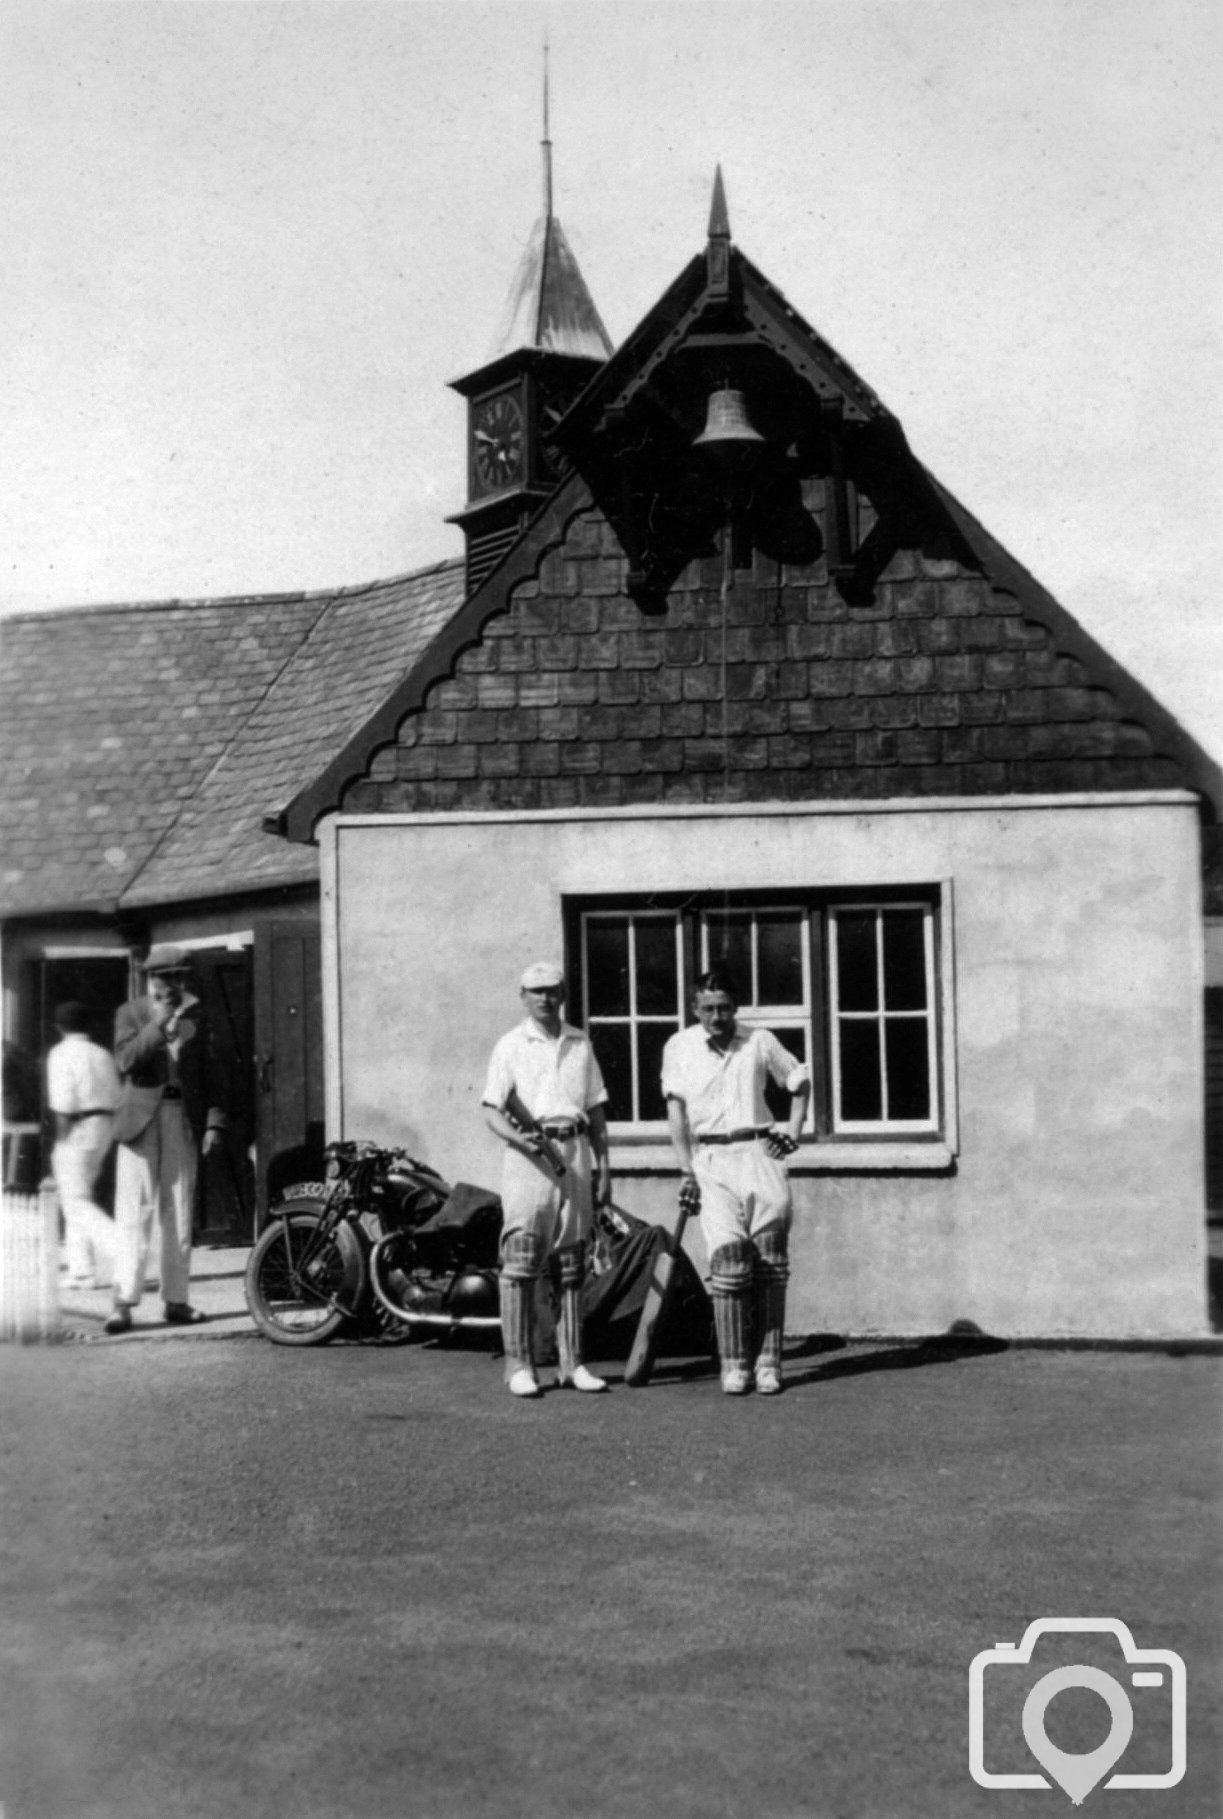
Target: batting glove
{"x":780,"y":1144}
{"x":689,"y":1196}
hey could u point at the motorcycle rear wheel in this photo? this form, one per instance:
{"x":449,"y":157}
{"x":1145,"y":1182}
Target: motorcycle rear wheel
{"x":296,"y":1305}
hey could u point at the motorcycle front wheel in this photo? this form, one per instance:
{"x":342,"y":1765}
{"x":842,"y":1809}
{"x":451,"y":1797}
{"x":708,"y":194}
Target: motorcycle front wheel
{"x":302,"y":1283}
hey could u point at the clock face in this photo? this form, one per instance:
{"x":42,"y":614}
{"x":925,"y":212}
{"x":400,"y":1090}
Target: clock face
{"x":497,"y":441}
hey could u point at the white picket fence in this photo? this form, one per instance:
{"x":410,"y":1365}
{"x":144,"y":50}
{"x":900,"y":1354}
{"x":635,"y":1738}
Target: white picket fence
{"x":29,"y":1267}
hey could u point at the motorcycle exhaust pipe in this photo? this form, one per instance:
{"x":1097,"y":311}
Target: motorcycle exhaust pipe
{"x":451,"y":1321}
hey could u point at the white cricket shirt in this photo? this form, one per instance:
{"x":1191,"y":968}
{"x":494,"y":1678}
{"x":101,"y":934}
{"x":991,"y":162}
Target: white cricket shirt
{"x":725,"y":1092}
{"x":81,"y":1076}
{"x":555,"y":1077}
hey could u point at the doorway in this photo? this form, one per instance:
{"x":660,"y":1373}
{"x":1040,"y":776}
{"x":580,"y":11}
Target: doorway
{"x":225,"y":1196}
{"x":101,"y":982}
{"x":289,"y":1065}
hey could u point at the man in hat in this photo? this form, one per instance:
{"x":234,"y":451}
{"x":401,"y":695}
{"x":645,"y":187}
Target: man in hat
{"x":82,"y":1092}
{"x":544,"y":1098}
{"x":732,"y":1157}
{"x":171,"y":1108}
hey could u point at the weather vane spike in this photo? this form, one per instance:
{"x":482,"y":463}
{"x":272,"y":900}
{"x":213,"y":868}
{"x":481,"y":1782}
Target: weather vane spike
{"x":547,"y":142}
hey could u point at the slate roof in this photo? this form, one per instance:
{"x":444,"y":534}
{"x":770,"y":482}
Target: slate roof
{"x":141,"y":746}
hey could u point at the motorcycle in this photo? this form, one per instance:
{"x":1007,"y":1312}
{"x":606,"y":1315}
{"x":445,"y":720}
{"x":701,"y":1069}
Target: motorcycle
{"x":385,"y":1248}
{"x":385,"y":1244}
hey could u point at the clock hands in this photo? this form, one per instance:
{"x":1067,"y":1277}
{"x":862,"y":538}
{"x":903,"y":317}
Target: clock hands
{"x":497,"y":441}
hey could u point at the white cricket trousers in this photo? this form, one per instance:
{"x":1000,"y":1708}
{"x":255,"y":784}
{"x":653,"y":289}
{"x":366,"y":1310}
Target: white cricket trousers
{"x":89,"y":1234}
{"x":155,"y":1177}
{"x":558,"y":1212}
{"x":744,"y":1192}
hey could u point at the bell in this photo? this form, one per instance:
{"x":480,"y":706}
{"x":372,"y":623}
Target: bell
{"x":727,"y":422}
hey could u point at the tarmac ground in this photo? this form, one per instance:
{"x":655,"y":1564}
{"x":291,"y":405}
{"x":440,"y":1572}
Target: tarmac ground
{"x":360,"y":1579}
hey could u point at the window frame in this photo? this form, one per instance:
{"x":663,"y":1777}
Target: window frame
{"x":905,"y":1145}
{"x":887,"y":1127}
{"x":754,"y":1014}
{"x":633,"y":1018}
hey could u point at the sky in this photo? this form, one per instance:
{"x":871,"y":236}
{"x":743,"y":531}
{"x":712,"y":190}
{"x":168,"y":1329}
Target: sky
{"x":247,"y":245}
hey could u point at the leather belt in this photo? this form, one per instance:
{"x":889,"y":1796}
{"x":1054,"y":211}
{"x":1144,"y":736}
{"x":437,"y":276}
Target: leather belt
{"x":748,"y":1134}
{"x":171,"y":1092}
{"x":561,"y":1133}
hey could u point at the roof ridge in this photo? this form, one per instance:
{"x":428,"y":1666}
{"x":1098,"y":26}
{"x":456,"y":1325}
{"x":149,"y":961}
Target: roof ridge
{"x":176,"y":602}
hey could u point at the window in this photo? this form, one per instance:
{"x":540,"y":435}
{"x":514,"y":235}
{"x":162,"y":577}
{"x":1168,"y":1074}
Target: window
{"x":881,"y":998}
{"x":847,"y":984}
{"x":632,"y":965}
{"x":768,"y":954}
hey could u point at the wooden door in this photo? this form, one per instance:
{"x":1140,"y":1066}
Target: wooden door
{"x":225,"y":1195}
{"x":289,"y":1057}
{"x":1214,"y":1099}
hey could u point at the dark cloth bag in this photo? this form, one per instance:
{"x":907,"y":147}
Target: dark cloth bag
{"x":612,"y":1301}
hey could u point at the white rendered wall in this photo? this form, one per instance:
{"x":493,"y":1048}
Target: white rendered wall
{"x":1075,"y":1204}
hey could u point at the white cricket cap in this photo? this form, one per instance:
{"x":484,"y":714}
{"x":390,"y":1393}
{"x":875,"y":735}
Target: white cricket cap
{"x":542,"y":973}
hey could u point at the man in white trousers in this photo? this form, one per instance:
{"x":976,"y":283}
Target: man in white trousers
{"x":82,"y":1093}
{"x":544,"y":1098}
{"x":732,"y":1160}
{"x":171,"y":1111}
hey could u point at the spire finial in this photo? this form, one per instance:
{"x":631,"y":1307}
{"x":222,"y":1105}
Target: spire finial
{"x":719,"y":220}
{"x":717,"y":250}
{"x":547,"y":142}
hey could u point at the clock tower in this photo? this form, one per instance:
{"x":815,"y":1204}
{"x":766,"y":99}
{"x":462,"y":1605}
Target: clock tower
{"x":551,"y":343}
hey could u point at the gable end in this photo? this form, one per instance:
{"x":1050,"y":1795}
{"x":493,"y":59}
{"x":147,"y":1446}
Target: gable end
{"x":555,"y":692}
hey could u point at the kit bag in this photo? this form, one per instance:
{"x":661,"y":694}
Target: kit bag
{"x":613,"y":1299}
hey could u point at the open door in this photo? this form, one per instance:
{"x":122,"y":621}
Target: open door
{"x":289,"y":1059}
{"x":101,"y":982}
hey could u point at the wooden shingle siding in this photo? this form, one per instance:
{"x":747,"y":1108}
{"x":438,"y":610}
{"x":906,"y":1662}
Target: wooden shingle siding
{"x":941,"y":686}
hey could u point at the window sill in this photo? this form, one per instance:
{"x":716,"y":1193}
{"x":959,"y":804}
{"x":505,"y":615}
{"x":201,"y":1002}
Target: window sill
{"x":631,"y":1156}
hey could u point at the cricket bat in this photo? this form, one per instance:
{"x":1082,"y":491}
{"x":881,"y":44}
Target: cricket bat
{"x":645,"y":1344}
{"x":546,"y":1149}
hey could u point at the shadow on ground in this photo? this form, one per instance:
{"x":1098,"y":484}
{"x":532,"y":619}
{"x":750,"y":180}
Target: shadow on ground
{"x":836,"y":1357}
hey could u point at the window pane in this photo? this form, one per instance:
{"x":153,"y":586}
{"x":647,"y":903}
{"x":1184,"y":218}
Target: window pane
{"x":611,"y":1046}
{"x":780,"y":954}
{"x":908,"y":1067}
{"x":650,"y":1040}
{"x":857,"y":980}
{"x":861,"y":1090}
{"x":904,"y":960}
{"x":776,"y":1097}
{"x":730,"y":949}
{"x":607,"y":966}
{"x":657,"y":987}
